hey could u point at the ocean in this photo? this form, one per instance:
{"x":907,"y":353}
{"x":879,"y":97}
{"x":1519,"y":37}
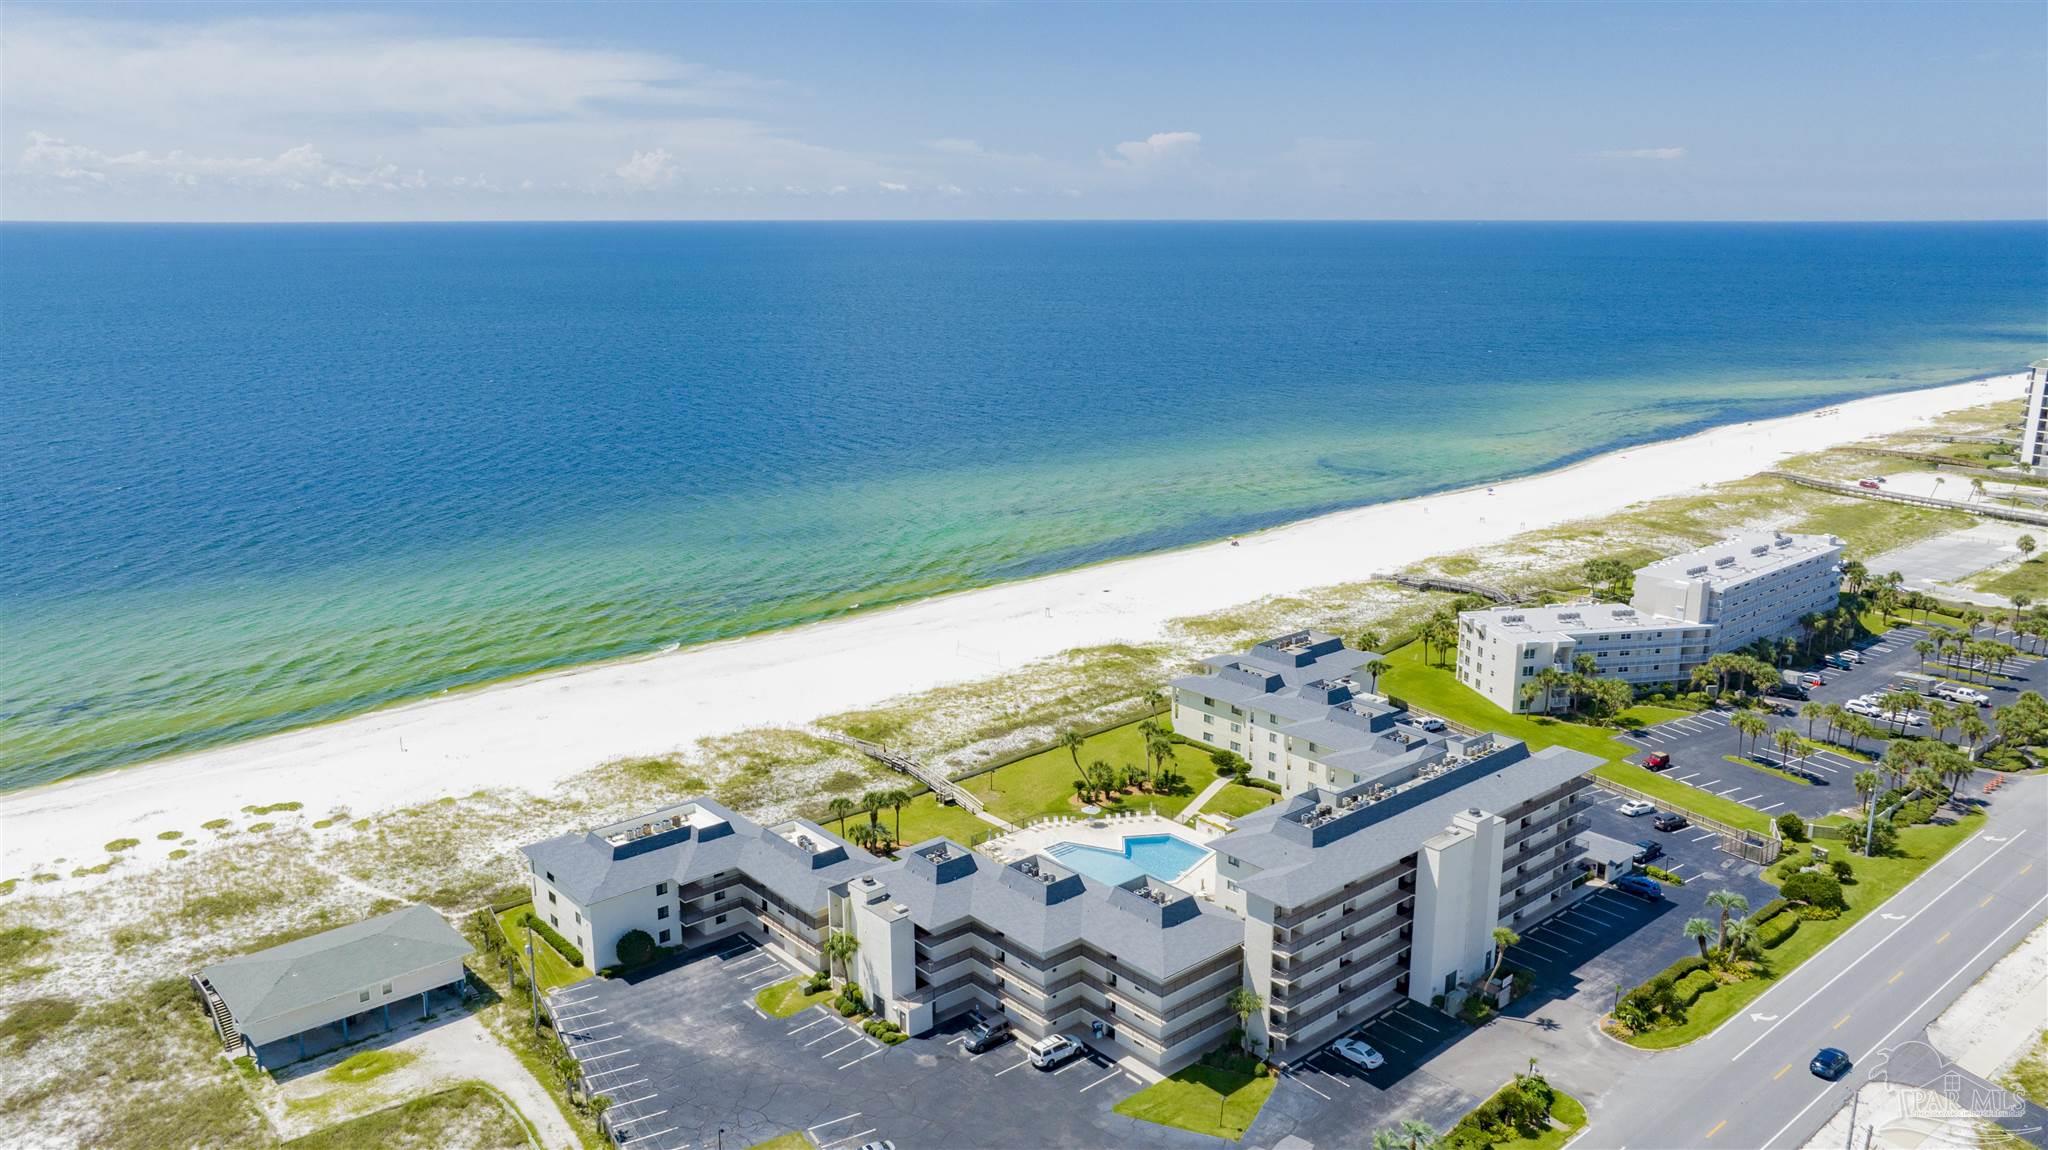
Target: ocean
{"x":253,"y":477}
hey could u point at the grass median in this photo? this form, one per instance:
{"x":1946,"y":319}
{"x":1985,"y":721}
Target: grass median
{"x":551,"y":970}
{"x":788,"y":998}
{"x":1221,"y":1102}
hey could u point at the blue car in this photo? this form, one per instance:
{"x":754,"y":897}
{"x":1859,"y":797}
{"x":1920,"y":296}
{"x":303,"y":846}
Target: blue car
{"x":1641,"y":886}
{"x":1829,"y":1064}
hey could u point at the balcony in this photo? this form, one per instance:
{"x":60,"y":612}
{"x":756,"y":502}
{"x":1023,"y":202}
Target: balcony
{"x":1402,"y":871}
{"x":1533,"y":894}
{"x":1296,"y":942}
{"x":1523,"y":834}
{"x":1379,"y":951}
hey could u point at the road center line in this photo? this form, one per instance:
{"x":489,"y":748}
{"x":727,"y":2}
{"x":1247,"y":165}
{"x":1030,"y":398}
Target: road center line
{"x":1933,"y":902}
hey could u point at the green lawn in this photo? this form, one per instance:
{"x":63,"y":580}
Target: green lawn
{"x":1205,"y":1099}
{"x":1237,"y":800}
{"x":927,"y":818}
{"x":1436,"y":689}
{"x":1768,"y":769}
{"x":1567,"y":1110}
{"x":2029,"y":578}
{"x":1043,"y":784}
{"x":550,"y":968}
{"x":789,"y":1141}
{"x":785,"y":999}
{"x":1876,"y":880}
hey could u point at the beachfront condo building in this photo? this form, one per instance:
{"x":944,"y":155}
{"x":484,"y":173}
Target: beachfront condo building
{"x":1333,"y":905}
{"x":1684,"y":609}
{"x":1757,"y":585}
{"x":2034,"y":428}
{"x":1300,"y":709}
{"x":1503,"y":651}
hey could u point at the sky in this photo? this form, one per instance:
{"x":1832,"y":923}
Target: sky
{"x":480,"y":111}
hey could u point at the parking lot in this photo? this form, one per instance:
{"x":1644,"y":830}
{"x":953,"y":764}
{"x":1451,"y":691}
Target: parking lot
{"x":1699,"y":745}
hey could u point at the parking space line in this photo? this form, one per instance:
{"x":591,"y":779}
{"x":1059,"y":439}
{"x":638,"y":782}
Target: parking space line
{"x":1528,"y":941}
{"x":1422,"y":1038}
{"x":843,"y":1046}
{"x":1693,"y":775}
{"x":645,"y":1137}
{"x":1578,"y":933}
{"x":1117,"y":1073}
{"x":864,"y":1057}
{"x":561,"y":1018}
{"x":817,"y":1022}
{"x":608,"y":1054}
{"x":1070,"y":1066}
{"x":824,"y":1037}
{"x":1307,"y":1087}
{"x":578,"y":1002}
{"x":833,"y":1122}
{"x":589,"y":1074}
{"x":629,"y":1085}
{"x":1705,"y":837}
{"x":848,"y":1138}
{"x":1597,"y":910}
{"x":1775,"y":806}
{"x":1007,"y":1069}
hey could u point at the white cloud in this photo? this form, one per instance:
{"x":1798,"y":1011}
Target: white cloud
{"x":649,"y":169}
{"x":296,"y":169}
{"x":891,"y":186}
{"x":1644,"y":154}
{"x":950,"y":190}
{"x":1155,"y":149}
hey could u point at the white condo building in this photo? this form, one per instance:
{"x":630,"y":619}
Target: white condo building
{"x":1378,"y":879}
{"x":2034,"y":429}
{"x":1685,"y":609}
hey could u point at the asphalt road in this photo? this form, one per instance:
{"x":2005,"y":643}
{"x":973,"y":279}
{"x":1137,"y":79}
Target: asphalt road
{"x":1875,"y":988}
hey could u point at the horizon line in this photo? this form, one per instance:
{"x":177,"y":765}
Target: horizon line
{"x":1027,"y":220}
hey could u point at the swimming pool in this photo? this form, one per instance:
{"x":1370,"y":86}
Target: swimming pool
{"x":1165,"y":857}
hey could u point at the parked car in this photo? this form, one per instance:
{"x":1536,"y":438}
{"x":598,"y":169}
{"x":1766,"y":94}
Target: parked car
{"x":1787,"y":691}
{"x":1956,"y":693}
{"x":1656,"y":761}
{"x":1635,"y":807}
{"x":1649,"y":849}
{"x":1641,"y":886}
{"x":1432,"y":724}
{"x":986,"y":1033}
{"x":1811,"y":679}
{"x":1860,"y":707}
{"x":1870,"y":484}
{"x":1354,"y":1051}
{"x":884,"y":1144}
{"x":1830,"y":1064}
{"x":1670,"y":821}
{"x":1055,"y":1049}
{"x":1851,"y":654}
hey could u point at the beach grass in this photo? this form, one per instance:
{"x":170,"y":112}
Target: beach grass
{"x":469,"y":1114}
{"x":2029,"y":578}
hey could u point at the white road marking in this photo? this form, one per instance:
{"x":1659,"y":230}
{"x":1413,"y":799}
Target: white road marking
{"x":833,"y":1122}
{"x":1527,"y":941}
{"x":589,"y":1074}
{"x":818,"y":1022}
{"x":636,"y":1102}
{"x":825,"y":1037}
{"x":864,"y":1057}
{"x":1305,"y":1086}
{"x":1693,"y":775}
{"x":1705,"y":837}
{"x":1007,"y":1069}
{"x":1765,"y":811}
{"x":1403,"y":1032}
{"x":645,"y":1137}
{"x":608,"y":1054}
{"x":561,"y":1018}
{"x":1935,"y":901}
{"x":627,"y":1086}
{"x":848,"y":1138}
{"x":1117,"y":1073}
{"x":842,"y":1046}
{"x":1879,"y":1044}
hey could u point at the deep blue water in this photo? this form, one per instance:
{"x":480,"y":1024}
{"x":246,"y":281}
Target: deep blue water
{"x":255,"y":476}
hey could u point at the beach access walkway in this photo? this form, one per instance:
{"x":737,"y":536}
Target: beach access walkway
{"x":1195,"y":805}
{"x":943,"y":787}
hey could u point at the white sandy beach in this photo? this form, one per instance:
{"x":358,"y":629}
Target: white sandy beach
{"x":533,"y":732}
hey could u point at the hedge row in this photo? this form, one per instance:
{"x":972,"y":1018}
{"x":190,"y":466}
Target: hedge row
{"x":1693,"y":985}
{"x":562,"y":946}
{"x":1691,"y":964}
{"x":1777,"y":930}
{"x":1769,"y":910}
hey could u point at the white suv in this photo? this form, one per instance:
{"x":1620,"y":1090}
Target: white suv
{"x":1054,"y":1049}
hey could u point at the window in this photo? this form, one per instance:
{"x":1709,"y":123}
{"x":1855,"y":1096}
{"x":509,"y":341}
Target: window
{"x":554,"y":922}
{"x":719,"y":897}
{"x":551,"y":876}
{"x":1271,"y":757}
{"x":1209,"y":719}
{"x":1236,"y":728}
{"x":387,"y":988}
{"x":1270,"y":777}
{"x":363,"y":997}
{"x":1236,"y":746}
{"x":664,"y":937}
{"x":661,"y":911}
{"x":720,"y":918}
{"x":660,"y":888}
{"x":579,"y":918}
{"x":551,"y":896}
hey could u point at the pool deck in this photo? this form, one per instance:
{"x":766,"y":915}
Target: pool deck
{"x":1108,"y":832}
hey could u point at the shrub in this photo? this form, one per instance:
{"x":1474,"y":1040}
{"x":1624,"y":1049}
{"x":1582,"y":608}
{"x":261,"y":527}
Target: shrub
{"x":1693,"y":985}
{"x":636,"y":947}
{"x":1777,"y":930}
{"x":819,"y":982}
{"x":562,"y":946}
{"x":1262,"y":784}
{"x":1843,"y":871}
{"x":1792,"y":827}
{"x":1818,"y":913}
{"x":1815,"y":889}
{"x":1763,"y":913}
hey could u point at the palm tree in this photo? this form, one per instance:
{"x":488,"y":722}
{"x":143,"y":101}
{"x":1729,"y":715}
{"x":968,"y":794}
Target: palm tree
{"x":2026,"y":545}
{"x":838,"y":949}
{"x":1245,"y":1002}
{"x":872,"y":803}
{"x":1786,"y":739}
{"x":1974,"y":729}
{"x":1376,"y":668}
{"x":1898,"y":707}
{"x":1699,"y":930}
{"x":1726,"y":901}
{"x":1923,"y":648}
{"x":1866,"y":785}
{"x":1420,"y":1135}
{"x":840,"y":808}
{"x":1369,"y":640}
{"x":1747,"y":724}
{"x":1071,"y":739}
{"x":1503,"y":938}
{"x":898,"y":799}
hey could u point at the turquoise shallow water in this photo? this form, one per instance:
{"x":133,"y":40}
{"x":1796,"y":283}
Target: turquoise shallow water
{"x":255,"y":477}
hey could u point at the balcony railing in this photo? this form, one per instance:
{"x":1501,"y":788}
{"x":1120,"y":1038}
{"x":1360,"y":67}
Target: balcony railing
{"x":1287,"y":948}
{"x":1531,"y":894}
{"x":1295,"y":916}
{"x":1377,"y":954}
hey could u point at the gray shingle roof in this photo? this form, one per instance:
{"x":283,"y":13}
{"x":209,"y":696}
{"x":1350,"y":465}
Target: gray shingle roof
{"x":1293,"y":871}
{"x":1155,"y":940}
{"x":590,"y":869}
{"x":274,"y":982}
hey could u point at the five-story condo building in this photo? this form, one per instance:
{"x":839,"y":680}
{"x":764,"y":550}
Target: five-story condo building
{"x":1753,"y":586}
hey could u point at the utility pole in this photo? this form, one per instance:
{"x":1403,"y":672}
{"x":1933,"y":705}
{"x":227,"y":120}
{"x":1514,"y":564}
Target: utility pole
{"x":1853,"y":1096}
{"x":532,"y":984}
{"x":1870,"y":827}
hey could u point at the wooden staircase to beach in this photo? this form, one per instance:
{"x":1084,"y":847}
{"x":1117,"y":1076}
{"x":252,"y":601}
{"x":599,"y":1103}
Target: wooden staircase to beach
{"x":223,"y":1019}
